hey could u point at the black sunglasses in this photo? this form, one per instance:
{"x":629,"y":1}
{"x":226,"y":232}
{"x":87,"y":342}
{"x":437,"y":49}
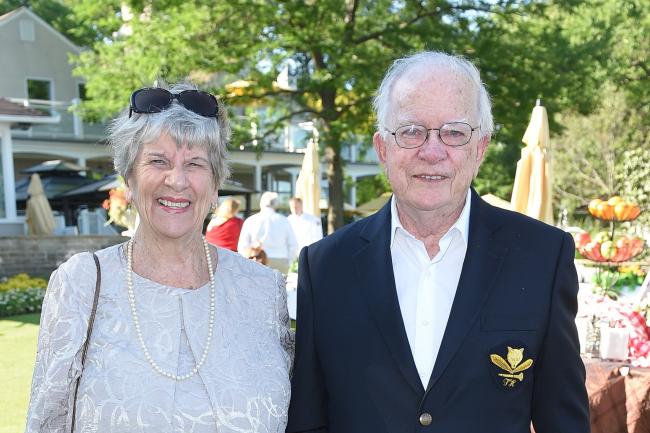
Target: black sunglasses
{"x":154,"y":100}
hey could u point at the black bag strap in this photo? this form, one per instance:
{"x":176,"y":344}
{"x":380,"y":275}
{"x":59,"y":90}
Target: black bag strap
{"x":91,"y":321}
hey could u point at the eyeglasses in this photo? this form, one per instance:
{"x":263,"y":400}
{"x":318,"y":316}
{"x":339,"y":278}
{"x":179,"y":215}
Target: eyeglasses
{"x":453,"y":134}
{"x":154,"y":100}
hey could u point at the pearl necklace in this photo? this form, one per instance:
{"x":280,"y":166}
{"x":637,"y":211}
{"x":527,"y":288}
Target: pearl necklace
{"x":136,"y":321}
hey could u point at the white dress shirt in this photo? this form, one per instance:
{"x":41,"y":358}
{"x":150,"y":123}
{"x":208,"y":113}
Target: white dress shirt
{"x":307,"y":228}
{"x":426,"y":287}
{"x":270,"y":229}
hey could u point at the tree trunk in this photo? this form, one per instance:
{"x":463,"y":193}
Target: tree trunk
{"x":335,"y":182}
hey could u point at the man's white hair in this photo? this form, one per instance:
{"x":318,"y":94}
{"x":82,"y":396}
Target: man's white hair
{"x":269,"y":199}
{"x":427,"y":63}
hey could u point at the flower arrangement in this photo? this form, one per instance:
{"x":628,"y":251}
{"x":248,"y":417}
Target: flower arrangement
{"x":119,"y":211}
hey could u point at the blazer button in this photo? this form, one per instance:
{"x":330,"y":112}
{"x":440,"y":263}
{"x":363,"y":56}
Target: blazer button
{"x":425,"y":419}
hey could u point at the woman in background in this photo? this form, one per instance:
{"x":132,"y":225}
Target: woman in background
{"x":225,"y":226}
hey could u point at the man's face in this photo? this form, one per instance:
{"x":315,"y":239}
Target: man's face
{"x":296,"y":207}
{"x":433,"y":177}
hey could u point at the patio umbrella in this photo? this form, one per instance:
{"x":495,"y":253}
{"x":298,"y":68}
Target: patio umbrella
{"x":531,"y":194}
{"x":308,"y":183}
{"x":40,"y":220}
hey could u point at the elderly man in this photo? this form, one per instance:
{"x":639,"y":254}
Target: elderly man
{"x":272,"y":232}
{"x":440,"y":313}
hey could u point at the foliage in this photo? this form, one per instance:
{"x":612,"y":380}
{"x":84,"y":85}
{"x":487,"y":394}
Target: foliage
{"x":21,"y":282}
{"x":634,"y":175}
{"x":21,"y":294}
{"x":371,"y":187}
{"x":20,"y":301}
{"x":601,"y":155}
{"x":332,"y":55}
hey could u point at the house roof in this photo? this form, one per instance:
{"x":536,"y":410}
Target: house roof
{"x":26,"y":12}
{"x":8,"y":108}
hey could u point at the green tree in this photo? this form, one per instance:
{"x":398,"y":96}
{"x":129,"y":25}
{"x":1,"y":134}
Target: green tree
{"x":601,"y":155}
{"x":371,"y":187}
{"x":336,"y":52}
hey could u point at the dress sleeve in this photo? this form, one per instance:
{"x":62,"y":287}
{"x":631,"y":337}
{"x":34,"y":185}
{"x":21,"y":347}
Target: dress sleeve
{"x":285,"y":334}
{"x":64,"y":322}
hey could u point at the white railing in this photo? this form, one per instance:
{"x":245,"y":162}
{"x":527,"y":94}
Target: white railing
{"x":71,"y":124}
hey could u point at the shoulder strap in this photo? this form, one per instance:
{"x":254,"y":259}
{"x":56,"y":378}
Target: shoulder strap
{"x":91,"y":321}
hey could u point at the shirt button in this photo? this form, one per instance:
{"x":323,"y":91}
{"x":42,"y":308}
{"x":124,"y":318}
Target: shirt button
{"x":425,"y":323}
{"x":425,"y":419}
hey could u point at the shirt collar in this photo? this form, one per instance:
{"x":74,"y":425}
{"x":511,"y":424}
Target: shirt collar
{"x":461,"y":224}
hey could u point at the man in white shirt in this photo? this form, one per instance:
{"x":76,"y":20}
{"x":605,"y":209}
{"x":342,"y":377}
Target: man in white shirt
{"x":440,"y":313}
{"x":307,"y":227}
{"x":272,"y":232}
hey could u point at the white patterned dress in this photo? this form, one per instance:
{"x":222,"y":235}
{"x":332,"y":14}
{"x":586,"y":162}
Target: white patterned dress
{"x":242,"y":387}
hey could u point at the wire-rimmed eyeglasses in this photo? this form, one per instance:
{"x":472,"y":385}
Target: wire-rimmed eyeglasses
{"x":453,"y":134}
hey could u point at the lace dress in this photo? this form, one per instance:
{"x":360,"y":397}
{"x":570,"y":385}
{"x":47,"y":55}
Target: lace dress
{"x":242,"y":387}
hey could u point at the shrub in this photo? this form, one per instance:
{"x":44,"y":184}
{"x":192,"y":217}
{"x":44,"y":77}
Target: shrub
{"x":22,"y":281}
{"x":21,"y":294}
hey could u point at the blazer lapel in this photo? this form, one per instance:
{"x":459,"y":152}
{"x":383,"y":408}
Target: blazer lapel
{"x":375,"y":273}
{"x":482,"y":264}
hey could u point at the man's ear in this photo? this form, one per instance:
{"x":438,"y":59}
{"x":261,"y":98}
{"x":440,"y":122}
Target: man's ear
{"x":380,"y":147}
{"x":481,"y":148}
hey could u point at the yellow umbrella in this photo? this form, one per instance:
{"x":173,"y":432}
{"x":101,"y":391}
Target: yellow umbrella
{"x":308,"y":183}
{"x":40,"y":220}
{"x":531,"y":194}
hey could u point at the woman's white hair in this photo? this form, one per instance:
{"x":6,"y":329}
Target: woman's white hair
{"x":127,"y":134}
{"x":429,"y":62}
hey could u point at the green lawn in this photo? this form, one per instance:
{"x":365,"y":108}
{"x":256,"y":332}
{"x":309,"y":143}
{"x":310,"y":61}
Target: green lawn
{"x":18,"y":335}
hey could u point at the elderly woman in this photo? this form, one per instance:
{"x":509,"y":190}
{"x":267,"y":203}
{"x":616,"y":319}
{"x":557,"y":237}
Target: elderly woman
{"x":187,"y":337}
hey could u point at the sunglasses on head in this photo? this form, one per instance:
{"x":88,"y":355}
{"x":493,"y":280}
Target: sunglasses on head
{"x":154,"y":100}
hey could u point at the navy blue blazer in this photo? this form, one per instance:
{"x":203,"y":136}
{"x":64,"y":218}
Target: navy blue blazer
{"x":509,"y":354}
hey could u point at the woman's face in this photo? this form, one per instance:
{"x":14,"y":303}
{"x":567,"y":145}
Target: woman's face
{"x":172,"y":188}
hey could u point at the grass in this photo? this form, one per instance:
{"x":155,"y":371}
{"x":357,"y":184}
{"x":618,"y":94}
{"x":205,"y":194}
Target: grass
{"x":18,"y":336}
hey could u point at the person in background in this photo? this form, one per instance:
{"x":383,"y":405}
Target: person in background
{"x":257,"y":254}
{"x":439,"y":313}
{"x":187,"y":337}
{"x":225,"y":226}
{"x":307,"y":227}
{"x":272,"y":232}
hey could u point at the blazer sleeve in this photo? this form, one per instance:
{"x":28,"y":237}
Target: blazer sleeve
{"x":560,"y":402}
{"x":308,"y":408}
{"x":64,"y":322}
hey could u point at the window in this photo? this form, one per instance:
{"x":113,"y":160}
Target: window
{"x":39,"y":89}
{"x":27,"y":30}
{"x":81,"y":90}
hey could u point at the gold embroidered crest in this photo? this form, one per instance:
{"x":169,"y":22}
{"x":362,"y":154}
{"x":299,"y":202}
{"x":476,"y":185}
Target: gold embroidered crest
{"x":513,"y":367}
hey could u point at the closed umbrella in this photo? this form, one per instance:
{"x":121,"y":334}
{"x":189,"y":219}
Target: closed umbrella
{"x":308,"y":183}
{"x":531,"y":194}
{"x":40,"y":220}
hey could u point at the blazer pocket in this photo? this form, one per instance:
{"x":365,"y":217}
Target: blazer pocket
{"x":510,"y":322}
